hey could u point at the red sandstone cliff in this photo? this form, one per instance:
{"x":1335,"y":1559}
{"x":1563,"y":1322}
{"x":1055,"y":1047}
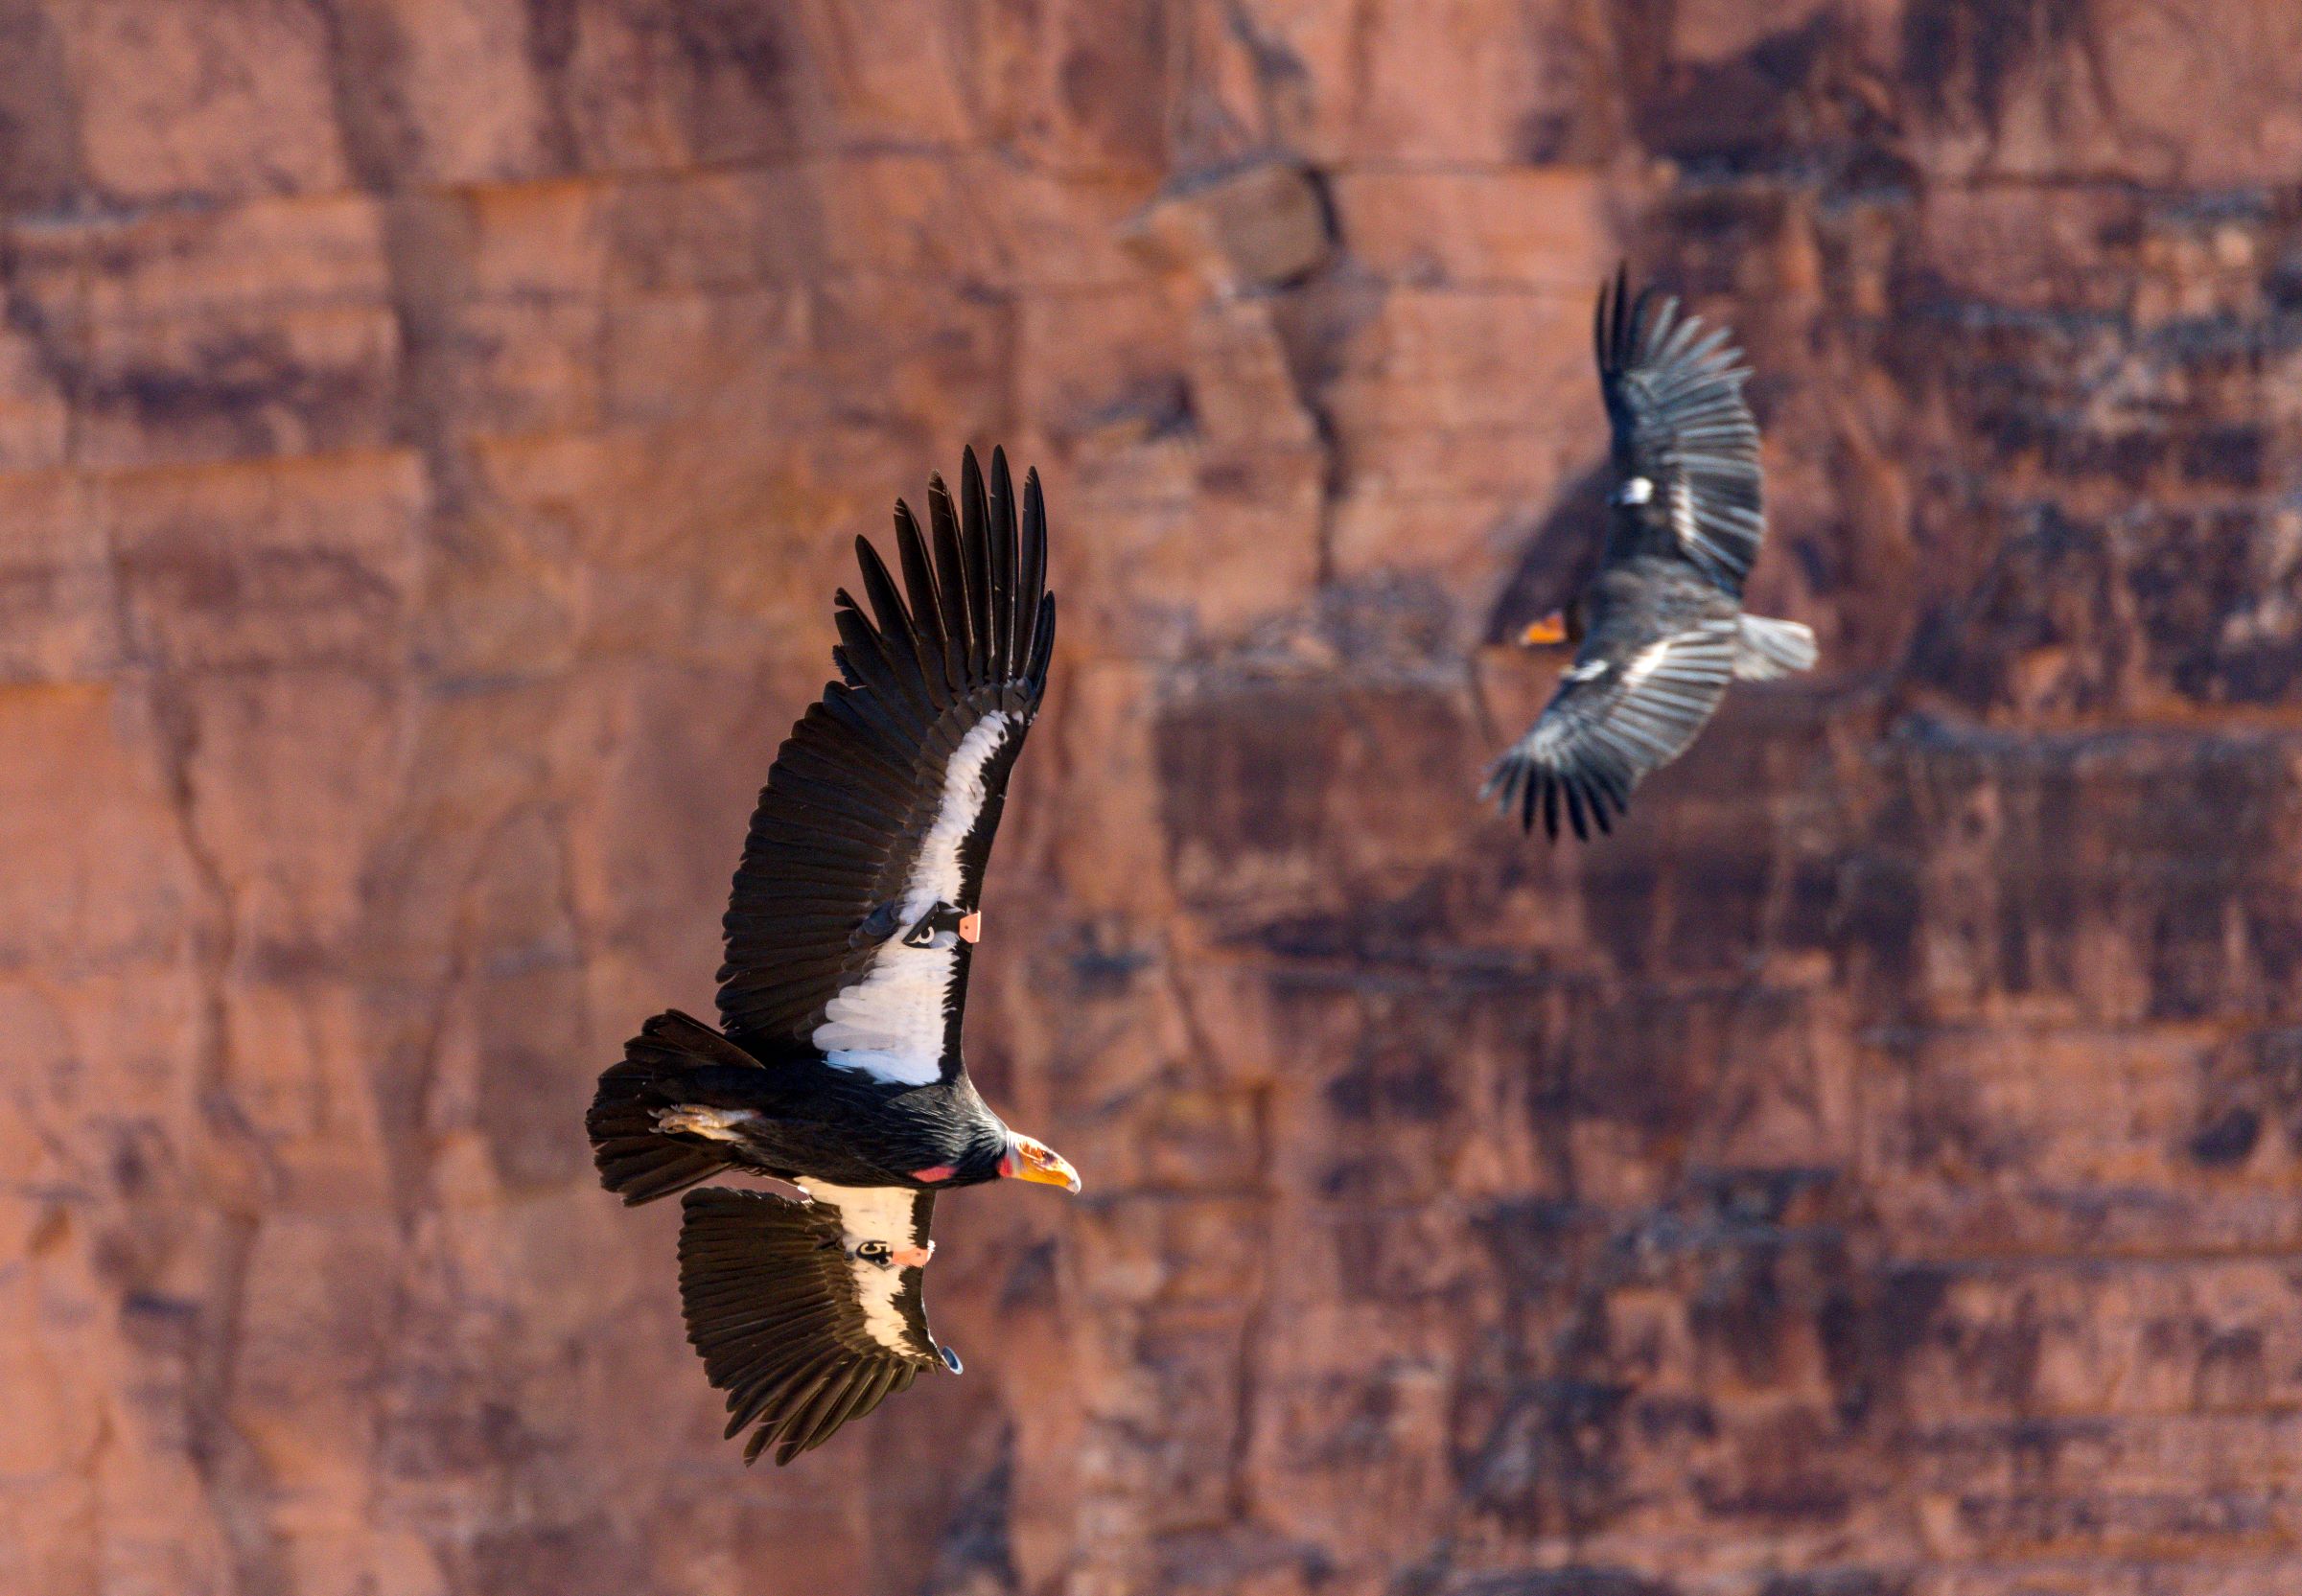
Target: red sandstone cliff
{"x":429,"y":431}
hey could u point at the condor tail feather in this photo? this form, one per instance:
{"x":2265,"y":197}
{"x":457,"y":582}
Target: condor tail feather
{"x":636,"y":1159}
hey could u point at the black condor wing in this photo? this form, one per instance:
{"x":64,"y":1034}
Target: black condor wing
{"x":870,"y":836}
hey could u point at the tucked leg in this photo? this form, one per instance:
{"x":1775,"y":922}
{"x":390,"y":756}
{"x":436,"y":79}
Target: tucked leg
{"x":718,"y":1125}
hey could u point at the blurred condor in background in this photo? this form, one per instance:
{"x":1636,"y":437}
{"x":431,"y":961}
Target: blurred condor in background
{"x":1660,"y":629}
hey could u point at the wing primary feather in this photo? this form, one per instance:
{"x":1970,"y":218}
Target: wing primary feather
{"x":1612,"y":331}
{"x":1003,"y":614}
{"x":888,"y":612}
{"x":791,"y":1419}
{"x":774,"y":1422}
{"x":1043,"y":646}
{"x":975,"y":546}
{"x":1501,"y":782}
{"x":873,"y":718}
{"x":1653,"y":318}
{"x":1032,"y":572}
{"x":951,"y":582}
{"x":918,"y":581}
{"x":1628,"y":316}
{"x":1598,"y":327}
{"x":869,"y":1377}
{"x":814,"y":1423}
{"x":882,"y":1382}
{"x":772,"y":1405}
{"x":1678,"y":349}
{"x":757,"y":1388}
{"x":748,"y":1398}
{"x":868,"y":660}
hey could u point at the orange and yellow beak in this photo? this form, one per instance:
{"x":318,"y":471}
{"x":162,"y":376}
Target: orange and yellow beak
{"x":1028,"y":1159}
{"x":970,"y":927}
{"x":1547,"y":633}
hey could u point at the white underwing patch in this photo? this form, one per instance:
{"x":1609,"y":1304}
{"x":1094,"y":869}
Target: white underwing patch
{"x":881,"y":1214}
{"x":1642,"y":663}
{"x":890,"y":1025}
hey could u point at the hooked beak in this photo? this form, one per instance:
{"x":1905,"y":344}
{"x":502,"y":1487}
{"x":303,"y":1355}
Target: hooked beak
{"x":1547,"y":633}
{"x":970,"y":927}
{"x":1028,"y":1159}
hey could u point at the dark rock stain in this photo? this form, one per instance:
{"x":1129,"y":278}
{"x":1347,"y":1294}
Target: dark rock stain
{"x":1871,"y":1327}
{"x":40,"y":165}
{"x":2247,"y":1088}
{"x":1031,"y":1279}
{"x":1567,"y":1582}
{"x":246,"y":393}
{"x":2227,"y":1138}
{"x":1402,"y":1088}
{"x":1114,"y":83}
{"x":1967,"y":56}
{"x":976,"y":1551}
{"x":1553,"y":1460}
{"x":1839,"y":1582}
{"x":1248,"y":772}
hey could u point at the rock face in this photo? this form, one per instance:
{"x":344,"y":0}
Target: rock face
{"x":431,"y":430}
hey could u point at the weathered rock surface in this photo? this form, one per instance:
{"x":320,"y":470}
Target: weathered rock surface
{"x":429,"y":431}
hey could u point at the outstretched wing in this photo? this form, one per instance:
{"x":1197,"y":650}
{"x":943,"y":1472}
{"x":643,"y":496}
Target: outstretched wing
{"x":1610,"y":722}
{"x":1683,"y":429}
{"x":870,"y":836}
{"x":805,"y":1312}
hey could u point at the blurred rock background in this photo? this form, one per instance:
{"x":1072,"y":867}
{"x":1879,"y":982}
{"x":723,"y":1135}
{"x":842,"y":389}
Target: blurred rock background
{"x":431,"y":430}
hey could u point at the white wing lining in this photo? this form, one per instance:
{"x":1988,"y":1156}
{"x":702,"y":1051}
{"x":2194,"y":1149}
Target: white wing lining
{"x":890,"y":1025}
{"x":881,"y":1214}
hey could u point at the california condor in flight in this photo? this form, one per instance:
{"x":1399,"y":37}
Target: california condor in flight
{"x":1660,"y":631}
{"x":837,"y":1065}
